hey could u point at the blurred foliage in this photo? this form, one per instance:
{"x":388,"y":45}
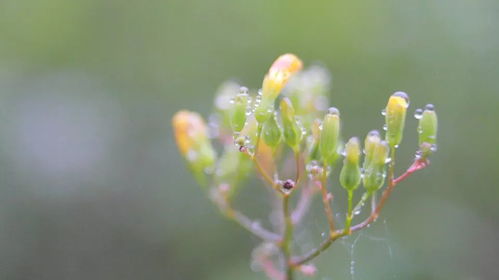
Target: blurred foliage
{"x":92,"y":186}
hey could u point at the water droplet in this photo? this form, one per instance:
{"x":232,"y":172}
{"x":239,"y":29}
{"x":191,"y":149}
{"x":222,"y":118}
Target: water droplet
{"x":383,"y":112}
{"x":385,"y":127}
{"x":323,"y":234}
{"x":433,"y":147}
{"x":333,"y":111}
{"x":243,"y":90}
{"x":373,"y":133}
{"x":259,"y":93}
{"x":388,"y":159}
{"x":418,"y":114}
{"x":429,"y":107}
{"x":403,"y":95}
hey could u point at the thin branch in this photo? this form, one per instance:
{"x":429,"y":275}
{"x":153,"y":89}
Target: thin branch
{"x":303,"y":204}
{"x":252,"y":226}
{"x":326,"y":198}
{"x":417,"y":165}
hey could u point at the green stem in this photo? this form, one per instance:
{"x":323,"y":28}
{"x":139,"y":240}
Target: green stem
{"x":287,"y":236}
{"x":348,"y":221}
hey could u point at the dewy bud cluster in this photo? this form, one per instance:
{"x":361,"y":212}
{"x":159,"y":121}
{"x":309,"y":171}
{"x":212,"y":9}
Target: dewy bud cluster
{"x":287,"y":127}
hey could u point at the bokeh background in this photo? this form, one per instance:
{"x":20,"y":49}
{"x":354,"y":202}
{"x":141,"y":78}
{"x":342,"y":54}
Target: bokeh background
{"x":92,"y":186}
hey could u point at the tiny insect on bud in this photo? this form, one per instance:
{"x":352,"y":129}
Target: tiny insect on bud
{"x":292,"y":132}
{"x":192,"y":141}
{"x":329,"y":135}
{"x":272,"y":132}
{"x":395,"y":117}
{"x":277,"y":77}
{"x":238,"y":112}
{"x":288,"y":184}
{"x":350,"y":174}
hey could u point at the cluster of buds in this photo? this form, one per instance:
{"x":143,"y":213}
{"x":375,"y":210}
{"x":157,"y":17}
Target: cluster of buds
{"x":288,"y":121}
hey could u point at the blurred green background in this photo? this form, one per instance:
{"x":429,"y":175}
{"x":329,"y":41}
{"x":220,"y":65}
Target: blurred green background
{"x":92,"y":186}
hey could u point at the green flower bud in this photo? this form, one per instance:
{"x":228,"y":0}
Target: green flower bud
{"x":272,"y":132}
{"x":427,"y":130}
{"x":395,"y":117}
{"x":292,"y":132}
{"x":328,"y":143}
{"x":238,"y":112}
{"x":225,"y":94}
{"x":428,"y":123}
{"x":374,"y":170}
{"x":313,"y":141}
{"x":350,"y":175}
{"x":370,"y":143}
{"x":232,"y":168}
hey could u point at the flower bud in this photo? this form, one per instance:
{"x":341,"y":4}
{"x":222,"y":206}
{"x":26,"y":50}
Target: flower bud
{"x":329,"y":136}
{"x":292,"y":132}
{"x":272,"y":132}
{"x":374,"y":170}
{"x":275,"y":80}
{"x":427,"y":130}
{"x":238,"y":112}
{"x":224,"y":95}
{"x":350,"y":172}
{"x":193,"y":142}
{"x":313,"y":141}
{"x":395,"y":117}
{"x":370,"y":143}
{"x":428,"y":124}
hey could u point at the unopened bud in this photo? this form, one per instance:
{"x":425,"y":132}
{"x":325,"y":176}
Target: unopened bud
{"x":275,"y":80}
{"x":239,"y":109}
{"x":328,"y":143}
{"x":350,"y":174}
{"x":395,"y":117}
{"x":292,"y":132}
{"x":428,"y":125}
{"x":375,"y":171}
{"x":192,"y":141}
{"x":272,"y":132}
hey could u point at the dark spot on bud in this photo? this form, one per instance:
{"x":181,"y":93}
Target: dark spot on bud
{"x":288,"y":184}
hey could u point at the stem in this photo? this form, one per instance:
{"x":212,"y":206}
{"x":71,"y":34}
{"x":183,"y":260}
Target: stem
{"x":417,"y":165}
{"x":325,"y":200}
{"x":303,"y":204}
{"x":254,"y":227}
{"x":348,"y":221}
{"x":297,"y":162}
{"x":287,"y":237}
{"x":316,"y":252}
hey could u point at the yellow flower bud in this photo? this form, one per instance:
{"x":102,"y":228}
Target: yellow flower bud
{"x":395,"y":117}
{"x":279,"y":73}
{"x":189,"y":128}
{"x":192,"y":141}
{"x":275,"y":80}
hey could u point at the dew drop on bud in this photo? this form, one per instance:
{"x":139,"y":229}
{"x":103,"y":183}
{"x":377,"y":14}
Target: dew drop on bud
{"x":243,"y":90}
{"x":403,"y":95}
{"x":418,"y":114}
{"x":333,"y":111}
{"x":429,"y":107}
